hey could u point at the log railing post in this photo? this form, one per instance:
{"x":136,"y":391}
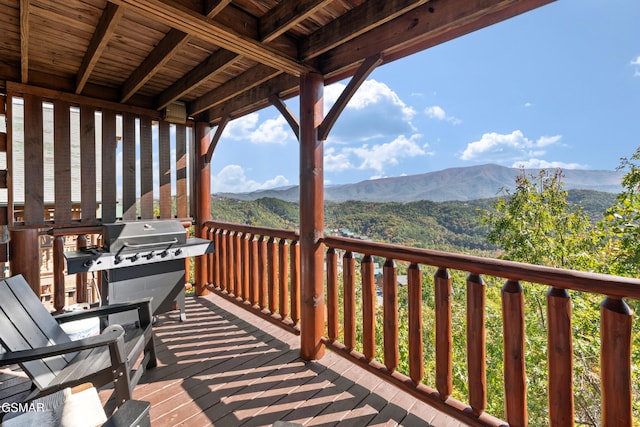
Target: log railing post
{"x":245,"y":266}
{"x":224,"y":262}
{"x":515,"y":381}
{"x":390,"y":314}
{"x":81,"y":278}
{"x":560,"y":356}
{"x":368,"y":307}
{"x":348,"y":279}
{"x":332,"y":294}
{"x":262,"y":273}
{"x":254,"y":277}
{"x":294,"y":268}
{"x":476,"y":344}
{"x":231,"y":276}
{"x":272,"y":274}
{"x":25,"y":256}
{"x":615,"y":362}
{"x":283,"y":278}
{"x":58,"y":273}
{"x":414,"y":284}
{"x":444,"y":346}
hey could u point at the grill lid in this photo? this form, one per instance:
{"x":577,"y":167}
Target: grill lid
{"x":137,"y":235}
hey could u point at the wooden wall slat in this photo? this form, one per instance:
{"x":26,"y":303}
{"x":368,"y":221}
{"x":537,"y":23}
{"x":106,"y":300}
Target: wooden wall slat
{"x":164,"y":161}
{"x":62,"y":161}
{"x":87,"y":163}
{"x":129,"y":166}
{"x":181,"y":171}
{"x":108,"y":166}
{"x":33,"y":160}
{"x":3,"y":135}
{"x":146,"y":169}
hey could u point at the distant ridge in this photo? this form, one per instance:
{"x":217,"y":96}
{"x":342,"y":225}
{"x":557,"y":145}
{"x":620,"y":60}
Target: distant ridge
{"x":459,"y":184}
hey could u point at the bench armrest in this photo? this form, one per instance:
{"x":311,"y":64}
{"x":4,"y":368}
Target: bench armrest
{"x":105,"y":339}
{"x":143,"y":306}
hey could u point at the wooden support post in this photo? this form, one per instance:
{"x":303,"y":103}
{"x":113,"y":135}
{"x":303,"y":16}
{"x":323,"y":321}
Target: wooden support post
{"x":58,"y":273}
{"x":311,"y":217}
{"x":203,"y":201}
{"x":476,"y":343}
{"x":25,"y":256}
{"x":444,"y":340}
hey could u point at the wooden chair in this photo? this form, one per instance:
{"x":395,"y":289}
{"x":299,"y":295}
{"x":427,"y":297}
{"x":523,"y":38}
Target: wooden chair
{"x":34,"y":339}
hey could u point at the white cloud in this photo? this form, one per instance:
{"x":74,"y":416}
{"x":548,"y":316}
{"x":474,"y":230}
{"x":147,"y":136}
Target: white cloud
{"x":507,"y":147}
{"x":375,"y":110}
{"x":376,"y":157}
{"x":251,"y":128}
{"x":636,"y":63}
{"x":336,"y":161}
{"x":543,"y":164}
{"x":232,"y":179}
{"x":438,"y":113}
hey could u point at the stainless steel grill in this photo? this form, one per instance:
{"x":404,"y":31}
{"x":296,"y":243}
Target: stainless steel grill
{"x":141,"y":259}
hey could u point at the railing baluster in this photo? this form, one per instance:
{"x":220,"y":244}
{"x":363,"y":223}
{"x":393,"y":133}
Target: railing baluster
{"x":262,"y":273}
{"x":390,"y":315}
{"x":283,"y":272}
{"x":615,"y":362}
{"x":444,"y":381}
{"x":348,"y":279}
{"x":58,"y":273}
{"x":224,"y":258}
{"x":245,"y":267}
{"x":81,"y":278}
{"x":476,"y":344}
{"x":560,"y":354}
{"x":254,"y":276}
{"x":272,"y":275}
{"x":515,"y":382}
{"x":219,"y":266}
{"x":237,"y":265}
{"x":414,"y":283}
{"x":294,"y":267}
{"x":368,"y":308}
{"x":332,"y":294}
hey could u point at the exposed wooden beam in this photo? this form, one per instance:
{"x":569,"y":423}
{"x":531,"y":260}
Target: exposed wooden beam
{"x":356,"y":81}
{"x":214,"y":64}
{"x":284,"y":85}
{"x":161,"y":54}
{"x":287,"y":114}
{"x":213,"y":7}
{"x":244,"y":82}
{"x":287,"y":14}
{"x":184,"y":19}
{"x":358,"y":21}
{"x":24,"y":41}
{"x":433,"y":23}
{"x":106,"y":26}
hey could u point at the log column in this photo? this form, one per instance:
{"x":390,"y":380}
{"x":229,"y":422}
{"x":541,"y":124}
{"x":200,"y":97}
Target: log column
{"x":203,"y":201}
{"x":25,"y":256}
{"x":311,"y":217}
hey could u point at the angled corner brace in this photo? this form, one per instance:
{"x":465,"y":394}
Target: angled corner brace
{"x":287,"y":114}
{"x":216,"y":138}
{"x":356,"y":81}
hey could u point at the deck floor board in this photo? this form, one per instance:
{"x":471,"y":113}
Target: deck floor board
{"x":224,"y":367}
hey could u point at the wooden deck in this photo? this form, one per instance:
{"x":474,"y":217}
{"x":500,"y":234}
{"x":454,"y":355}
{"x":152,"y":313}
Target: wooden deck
{"x":226,"y":367}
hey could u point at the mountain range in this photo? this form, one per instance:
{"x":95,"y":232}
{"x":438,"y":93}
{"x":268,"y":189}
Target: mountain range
{"x":453,"y":184}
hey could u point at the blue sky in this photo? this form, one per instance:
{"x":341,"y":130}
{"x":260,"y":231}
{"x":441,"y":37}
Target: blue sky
{"x":556,"y":87}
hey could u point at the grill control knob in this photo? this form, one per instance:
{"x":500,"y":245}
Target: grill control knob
{"x":150,"y":255}
{"x":134,"y":257}
{"x":178,"y":252}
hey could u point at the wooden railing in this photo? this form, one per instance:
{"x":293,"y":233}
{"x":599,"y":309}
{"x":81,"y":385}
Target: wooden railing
{"x":258,"y":267}
{"x":251,"y":266}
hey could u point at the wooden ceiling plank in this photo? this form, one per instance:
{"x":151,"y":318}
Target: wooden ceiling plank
{"x":106,"y":26}
{"x":24,"y":41}
{"x":356,"y":81}
{"x":163,"y":52}
{"x":160,"y":55}
{"x":435,"y":22}
{"x":214,"y":64}
{"x":244,"y":82}
{"x":354,"y":23}
{"x":287,"y":14}
{"x":184,"y":19}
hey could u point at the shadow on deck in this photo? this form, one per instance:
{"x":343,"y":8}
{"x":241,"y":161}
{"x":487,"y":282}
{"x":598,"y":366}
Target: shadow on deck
{"x":226,"y":367}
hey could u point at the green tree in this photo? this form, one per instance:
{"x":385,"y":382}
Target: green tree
{"x":537,"y":225}
{"x":621,"y":223}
